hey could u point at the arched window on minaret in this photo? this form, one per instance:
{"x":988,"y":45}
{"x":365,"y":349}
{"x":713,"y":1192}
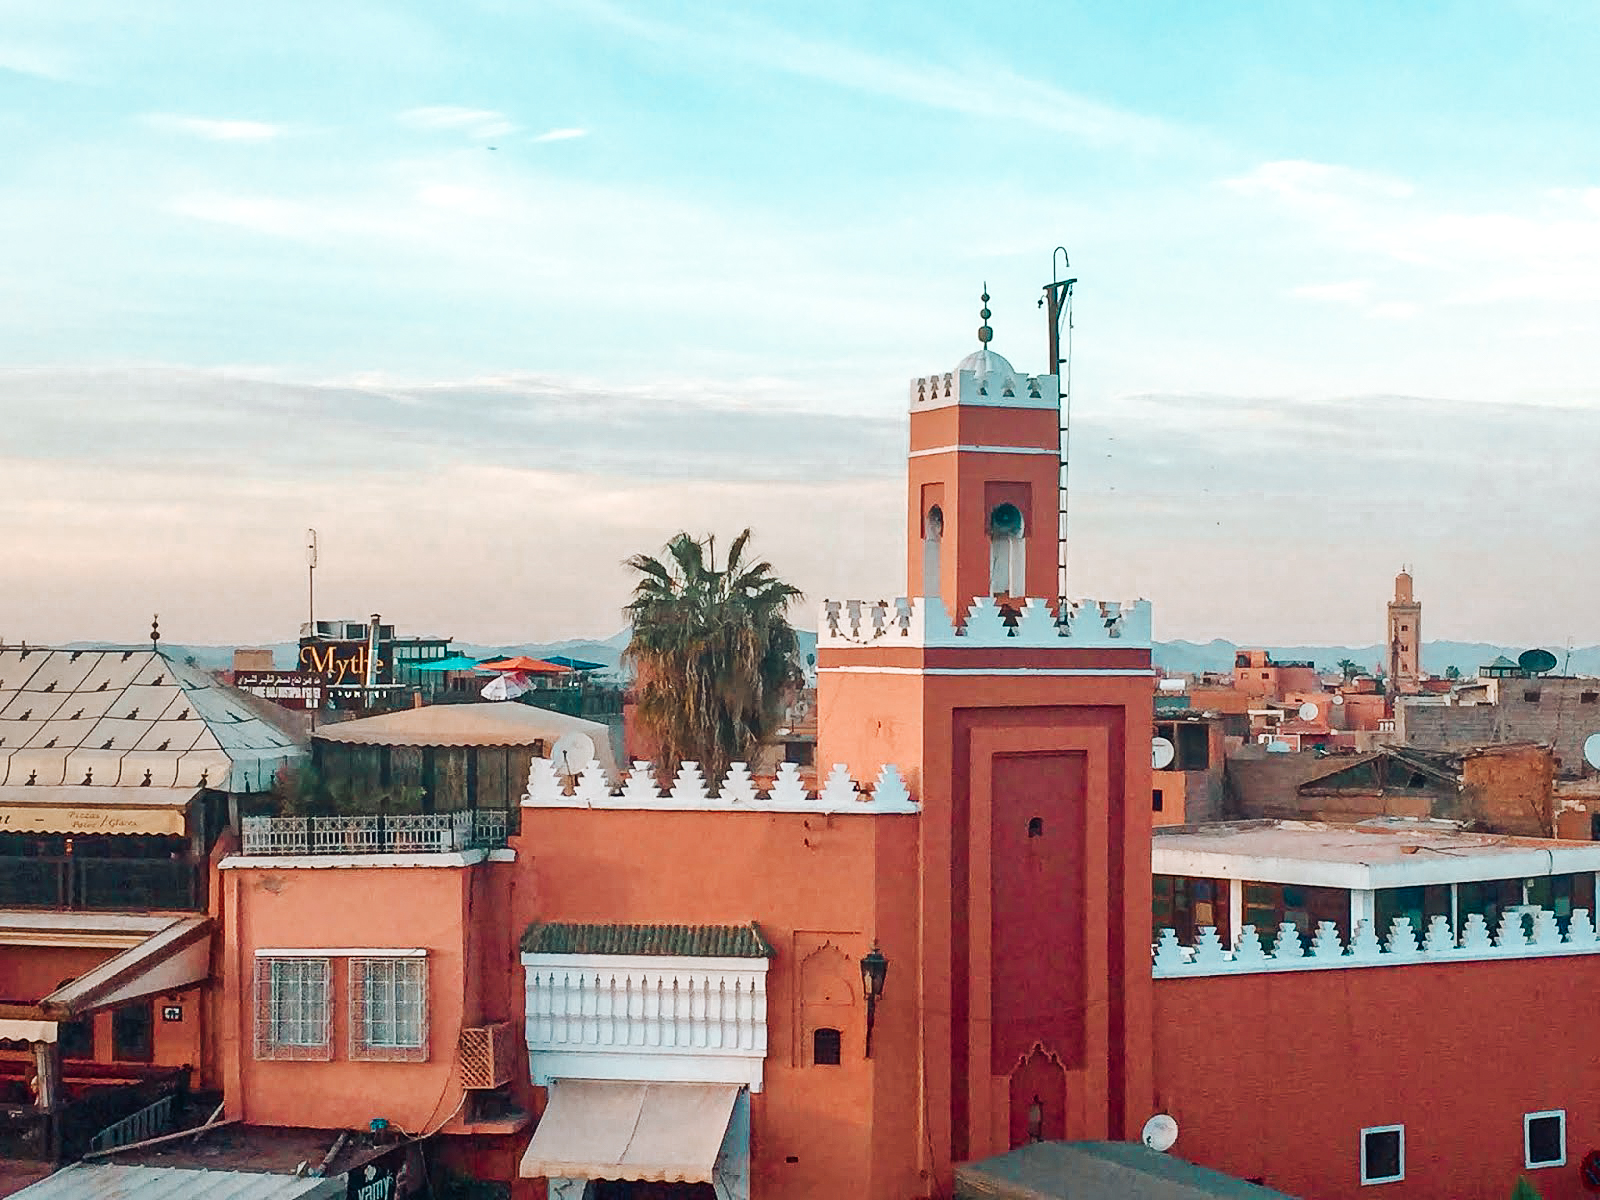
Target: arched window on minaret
{"x":932,"y":537}
{"x":1007,"y":552}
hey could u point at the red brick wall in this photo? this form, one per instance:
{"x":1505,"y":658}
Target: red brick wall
{"x":1273,"y":1076}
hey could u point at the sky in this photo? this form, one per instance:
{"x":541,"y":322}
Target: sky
{"x":494,"y":295}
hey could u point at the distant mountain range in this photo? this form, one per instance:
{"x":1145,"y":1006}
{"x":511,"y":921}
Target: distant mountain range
{"x":1177,"y":657}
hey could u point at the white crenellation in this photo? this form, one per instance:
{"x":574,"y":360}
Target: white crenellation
{"x":690,"y":785}
{"x":737,"y":786}
{"x":1288,"y":944}
{"x":1399,"y":945}
{"x":544,"y":785}
{"x":593,"y":787}
{"x":1438,"y":938}
{"x":923,"y":622}
{"x":890,"y":788}
{"x":1247,"y":946}
{"x":996,"y":389}
{"x":839,"y":788}
{"x":641,"y":786}
{"x":786,"y":787}
{"x":889,"y":794}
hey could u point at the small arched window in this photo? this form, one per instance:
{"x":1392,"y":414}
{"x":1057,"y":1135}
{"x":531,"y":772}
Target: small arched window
{"x":932,"y":536}
{"x":1007,"y":557}
{"x":826,"y":1045}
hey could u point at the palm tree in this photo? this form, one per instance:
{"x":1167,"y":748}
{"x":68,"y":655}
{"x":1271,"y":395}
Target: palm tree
{"x":1349,"y":669}
{"x":715,"y":657}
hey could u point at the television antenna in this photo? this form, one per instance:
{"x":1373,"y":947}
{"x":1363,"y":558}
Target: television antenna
{"x":1308,"y":711}
{"x":1057,"y":301}
{"x":1162,"y":752}
{"x":311,"y":582}
{"x":1160,"y":1133}
{"x":1591,"y":750}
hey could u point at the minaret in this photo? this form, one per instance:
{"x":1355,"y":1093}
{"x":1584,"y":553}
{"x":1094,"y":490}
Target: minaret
{"x":982,"y":480}
{"x":1405,"y":637}
{"x":1024,"y":926}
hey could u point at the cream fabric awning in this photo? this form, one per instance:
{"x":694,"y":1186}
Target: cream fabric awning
{"x":664,"y":1132}
{"x":91,"y":809}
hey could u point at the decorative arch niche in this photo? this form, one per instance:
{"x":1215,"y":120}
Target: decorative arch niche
{"x":1007,"y":551}
{"x":932,"y":548}
{"x":829,"y":981}
{"x":1038,"y":1098}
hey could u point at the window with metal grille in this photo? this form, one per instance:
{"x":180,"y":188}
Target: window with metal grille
{"x":826,"y":1047}
{"x":389,"y":1009}
{"x":293,"y":1009}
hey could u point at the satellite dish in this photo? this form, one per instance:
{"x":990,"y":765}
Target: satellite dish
{"x":572,"y":752}
{"x":1308,"y":711}
{"x":1277,"y":746}
{"x":1536,"y":662}
{"x":1160,"y":1132}
{"x":1591,"y":750}
{"x":1162,"y":752}
{"x":1337,"y":699}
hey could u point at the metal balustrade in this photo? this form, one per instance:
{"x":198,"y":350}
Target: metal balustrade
{"x":150,"y":1121}
{"x":376,"y":833}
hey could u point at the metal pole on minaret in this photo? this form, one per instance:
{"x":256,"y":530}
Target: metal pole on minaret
{"x":1057,"y":301}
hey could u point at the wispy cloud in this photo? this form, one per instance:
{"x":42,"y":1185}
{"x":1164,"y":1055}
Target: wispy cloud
{"x":479,"y":123}
{"x":23,"y":59}
{"x":214,"y":129}
{"x":561,"y":135}
{"x":983,"y":89}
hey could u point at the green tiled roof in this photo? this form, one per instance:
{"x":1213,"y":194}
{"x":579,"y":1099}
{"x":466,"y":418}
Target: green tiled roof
{"x":696,"y":941}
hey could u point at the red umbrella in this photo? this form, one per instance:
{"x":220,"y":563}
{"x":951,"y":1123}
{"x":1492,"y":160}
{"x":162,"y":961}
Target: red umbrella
{"x":527,"y":666}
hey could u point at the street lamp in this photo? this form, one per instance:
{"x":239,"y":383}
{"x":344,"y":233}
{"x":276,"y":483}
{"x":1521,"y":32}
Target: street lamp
{"x":874,"y":968}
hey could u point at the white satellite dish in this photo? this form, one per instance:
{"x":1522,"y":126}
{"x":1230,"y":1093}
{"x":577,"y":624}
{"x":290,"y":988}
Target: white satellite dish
{"x":1160,"y":1133}
{"x":1337,"y":699}
{"x":1162,"y":752}
{"x":1278,"y":746}
{"x":1591,"y":749}
{"x":572,"y":752}
{"x":1308,"y":711}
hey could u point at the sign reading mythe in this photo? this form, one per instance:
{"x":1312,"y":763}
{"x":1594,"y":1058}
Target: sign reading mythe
{"x":343,"y":663}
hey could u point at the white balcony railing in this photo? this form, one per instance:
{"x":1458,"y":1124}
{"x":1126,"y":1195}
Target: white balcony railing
{"x":424,"y":833}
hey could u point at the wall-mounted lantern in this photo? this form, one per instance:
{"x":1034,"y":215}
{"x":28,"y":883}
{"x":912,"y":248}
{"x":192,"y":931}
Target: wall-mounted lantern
{"x":874,"y":969}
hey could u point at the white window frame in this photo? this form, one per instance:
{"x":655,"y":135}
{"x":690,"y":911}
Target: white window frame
{"x":274,"y":977}
{"x":1527,"y":1149}
{"x":408,"y":971}
{"x":1367,"y":1179}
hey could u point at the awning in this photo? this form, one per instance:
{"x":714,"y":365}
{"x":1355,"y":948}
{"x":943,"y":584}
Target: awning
{"x":25,"y":809}
{"x":663,"y":1132}
{"x":175,"y":957}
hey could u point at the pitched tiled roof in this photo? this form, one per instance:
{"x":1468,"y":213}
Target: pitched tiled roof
{"x":697,"y":941}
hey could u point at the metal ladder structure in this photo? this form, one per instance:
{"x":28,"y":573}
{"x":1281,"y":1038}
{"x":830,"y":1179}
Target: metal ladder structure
{"x":1057,"y":301}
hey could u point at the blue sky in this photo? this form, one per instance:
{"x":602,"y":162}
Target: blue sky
{"x":495,"y":294}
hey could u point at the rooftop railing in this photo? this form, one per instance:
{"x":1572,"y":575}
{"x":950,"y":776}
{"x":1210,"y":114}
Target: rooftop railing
{"x":376,"y":833}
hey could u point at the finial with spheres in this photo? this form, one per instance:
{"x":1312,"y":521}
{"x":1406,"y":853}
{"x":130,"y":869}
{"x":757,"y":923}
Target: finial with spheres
{"x":985,"y":334}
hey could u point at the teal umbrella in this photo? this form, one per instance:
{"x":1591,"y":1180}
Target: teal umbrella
{"x":456,"y":662}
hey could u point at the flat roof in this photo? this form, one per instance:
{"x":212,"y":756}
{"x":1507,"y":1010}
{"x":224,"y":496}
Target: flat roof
{"x":1385,"y":852}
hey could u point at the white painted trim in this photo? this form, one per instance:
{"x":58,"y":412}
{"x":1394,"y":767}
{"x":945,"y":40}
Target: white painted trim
{"x":849,"y":808}
{"x":1401,"y":1130}
{"x":963,"y":449}
{"x":344,"y":952}
{"x":1130,"y":672}
{"x":653,"y":963}
{"x":347,"y":862}
{"x":1040,"y":403}
{"x":1527,"y":1152}
{"x":648,"y":1064}
{"x":504,"y":855}
{"x":1177,"y":854}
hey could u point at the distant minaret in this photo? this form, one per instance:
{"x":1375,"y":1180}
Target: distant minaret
{"x":1405,"y":637}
